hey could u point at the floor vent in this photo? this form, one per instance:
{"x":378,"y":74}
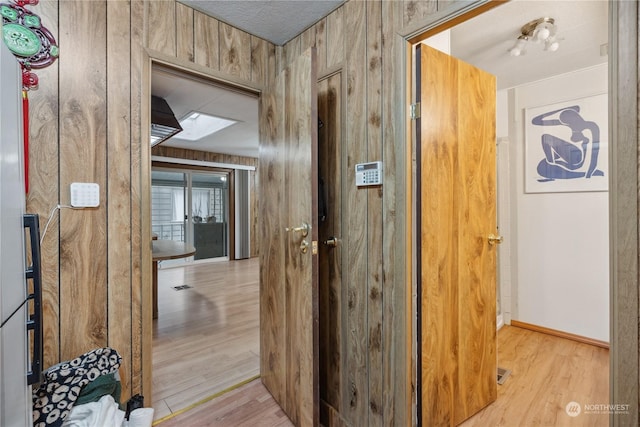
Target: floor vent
{"x":503,"y":374}
{"x":181,"y":287}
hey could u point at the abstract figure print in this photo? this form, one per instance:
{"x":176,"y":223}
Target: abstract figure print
{"x":576,"y":158}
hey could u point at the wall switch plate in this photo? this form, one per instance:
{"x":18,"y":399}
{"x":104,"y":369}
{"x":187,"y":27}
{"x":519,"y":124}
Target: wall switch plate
{"x":85,"y":195}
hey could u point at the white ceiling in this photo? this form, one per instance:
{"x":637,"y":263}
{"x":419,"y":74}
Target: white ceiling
{"x":483,"y":41}
{"x":185,"y":94}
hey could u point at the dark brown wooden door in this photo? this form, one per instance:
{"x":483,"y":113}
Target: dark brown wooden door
{"x":289,"y":235}
{"x":456,"y":214}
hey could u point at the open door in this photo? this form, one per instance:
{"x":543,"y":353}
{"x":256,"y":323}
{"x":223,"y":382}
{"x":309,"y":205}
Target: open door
{"x":456,"y":253}
{"x":289,"y":238}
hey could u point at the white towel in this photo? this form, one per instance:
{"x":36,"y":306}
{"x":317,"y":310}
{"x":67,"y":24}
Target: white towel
{"x":103,"y":413}
{"x":141,"y":417}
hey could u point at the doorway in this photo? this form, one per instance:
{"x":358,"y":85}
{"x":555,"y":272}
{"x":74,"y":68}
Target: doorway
{"x":516,"y":99}
{"x":204,"y":192}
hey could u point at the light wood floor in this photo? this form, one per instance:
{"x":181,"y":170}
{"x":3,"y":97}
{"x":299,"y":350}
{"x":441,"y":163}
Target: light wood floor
{"x":206,"y":338}
{"x":547,"y":373}
{"x":248,"y":406}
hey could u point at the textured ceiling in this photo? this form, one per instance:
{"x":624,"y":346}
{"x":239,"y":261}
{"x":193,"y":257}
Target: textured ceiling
{"x":273,"y":20}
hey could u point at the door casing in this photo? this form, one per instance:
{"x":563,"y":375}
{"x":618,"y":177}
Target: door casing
{"x":623,"y":200}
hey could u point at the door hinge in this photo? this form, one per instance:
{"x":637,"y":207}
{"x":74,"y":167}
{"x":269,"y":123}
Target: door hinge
{"x":415,"y":111}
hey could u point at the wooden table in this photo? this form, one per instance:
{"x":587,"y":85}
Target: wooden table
{"x":162,"y":250}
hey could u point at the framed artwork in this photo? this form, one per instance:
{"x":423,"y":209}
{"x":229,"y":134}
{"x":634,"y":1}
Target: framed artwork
{"x":566,"y":146}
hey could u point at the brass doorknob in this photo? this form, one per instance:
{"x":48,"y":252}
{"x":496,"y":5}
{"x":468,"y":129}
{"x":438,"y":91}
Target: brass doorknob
{"x":332,"y":242}
{"x":303,"y":229}
{"x":495,"y":240}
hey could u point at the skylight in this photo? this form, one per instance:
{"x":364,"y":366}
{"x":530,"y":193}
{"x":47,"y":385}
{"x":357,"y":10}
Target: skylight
{"x":197,"y":125}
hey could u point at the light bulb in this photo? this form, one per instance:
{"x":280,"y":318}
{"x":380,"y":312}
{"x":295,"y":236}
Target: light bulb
{"x":518,"y":48}
{"x":543,"y":34}
{"x":552,"y":46}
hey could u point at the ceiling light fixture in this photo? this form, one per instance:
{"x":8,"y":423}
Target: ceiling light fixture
{"x":542,"y":30}
{"x":197,"y":125}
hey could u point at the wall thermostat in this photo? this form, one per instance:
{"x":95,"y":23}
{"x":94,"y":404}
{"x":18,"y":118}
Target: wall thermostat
{"x":368,"y":174}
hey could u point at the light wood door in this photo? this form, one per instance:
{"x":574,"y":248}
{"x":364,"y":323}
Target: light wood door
{"x":289,"y":232}
{"x":456,"y":262}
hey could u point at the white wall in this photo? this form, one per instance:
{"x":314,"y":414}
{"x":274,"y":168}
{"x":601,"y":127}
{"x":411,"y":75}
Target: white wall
{"x":560,"y":241}
{"x":440,"y":41}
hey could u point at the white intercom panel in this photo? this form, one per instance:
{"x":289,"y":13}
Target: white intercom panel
{"x":85,"y":195}
{"x":368,"y":174}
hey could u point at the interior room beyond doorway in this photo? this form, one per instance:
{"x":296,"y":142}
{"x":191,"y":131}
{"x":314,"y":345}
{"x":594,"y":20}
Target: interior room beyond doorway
{"x":206,"y":336}
{"x":542,"y":265}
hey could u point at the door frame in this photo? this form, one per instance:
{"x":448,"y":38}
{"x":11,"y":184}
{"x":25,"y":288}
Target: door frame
{"x":149,"y":59}
{"x":623,"y":192}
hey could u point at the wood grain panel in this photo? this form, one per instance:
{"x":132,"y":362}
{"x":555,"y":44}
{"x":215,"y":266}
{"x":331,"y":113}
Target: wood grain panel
{"x":623,"y":193}
{"x":272,"y":255}
{"x":262,"y":54}
{"x":140,"y":251}
{"x":331,"y":417}
{"x":356,"y":399}
{"x":79,"y":151}
{"x":375,"y":260}
{"x":416,"y":10}
{"x":206,"y":50}
{"x":43,"y":188}
{"x":321,"y":45}
{"x":161,"y":27}
{"x":308,"y":38}
{"x":118,"y":190}
{"x":205,"y":156}
{"x":235,"y":52}
{"x":335,"y":37}
{"x":83,"y":281}
{"x":397,"y":312}
{"x":184,"y":32}
{"x":477,"y":209}
{"x":288,"y":314}
{"x":438,"y":232}
{"x":376,"y":288}
{"x":291,"y":51}
{"x":332,"y":327}
{"x":457,"y":263}
{"x":300,"y":109}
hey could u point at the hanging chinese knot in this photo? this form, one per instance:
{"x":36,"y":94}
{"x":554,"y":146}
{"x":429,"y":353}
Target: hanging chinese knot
{"x":34,"y":47}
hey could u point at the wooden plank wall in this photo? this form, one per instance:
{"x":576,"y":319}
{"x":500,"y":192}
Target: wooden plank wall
{"x":179,"y":153}
{"x":85,"y":126}
{"x":368,"y":377}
